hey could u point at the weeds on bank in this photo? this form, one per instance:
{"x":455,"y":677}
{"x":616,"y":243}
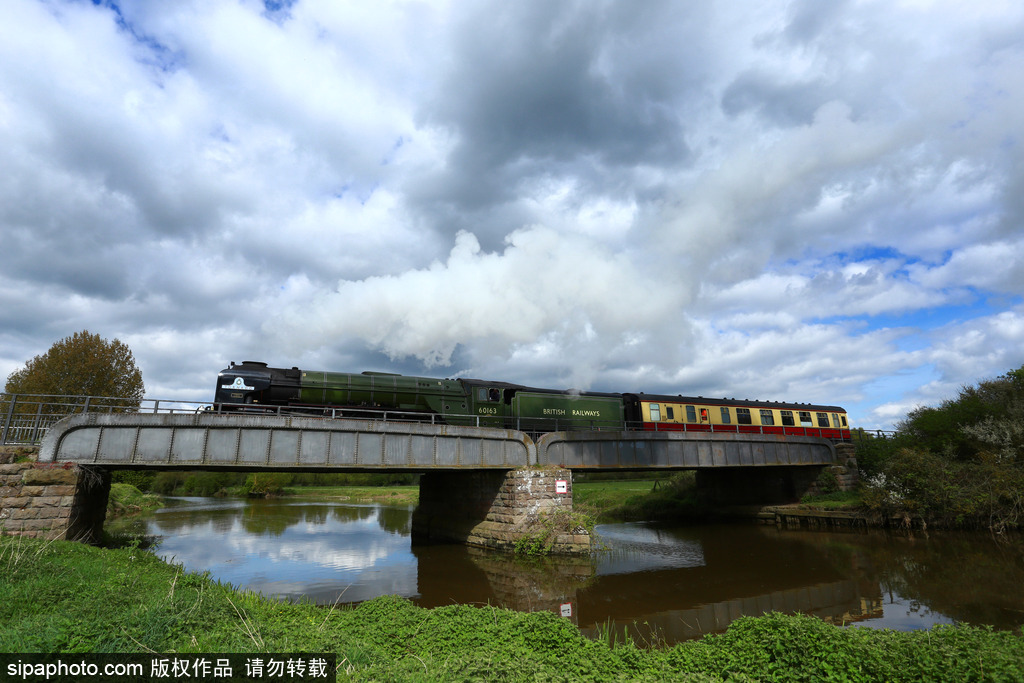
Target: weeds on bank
{"x":553,"y":524}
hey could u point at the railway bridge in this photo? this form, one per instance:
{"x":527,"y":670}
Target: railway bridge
{"x":479,"y":485}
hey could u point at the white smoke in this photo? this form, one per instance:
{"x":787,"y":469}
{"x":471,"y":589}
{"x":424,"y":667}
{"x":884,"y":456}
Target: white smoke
{"x":546,"y":294}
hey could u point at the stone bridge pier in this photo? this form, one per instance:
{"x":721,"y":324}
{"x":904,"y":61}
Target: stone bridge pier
{"x":500,"y":509}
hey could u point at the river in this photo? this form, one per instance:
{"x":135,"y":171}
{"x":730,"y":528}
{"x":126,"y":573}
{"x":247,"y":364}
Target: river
{"x":663,"y":584}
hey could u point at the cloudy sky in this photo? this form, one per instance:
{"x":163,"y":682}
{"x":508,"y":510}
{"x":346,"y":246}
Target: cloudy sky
{"x":787,"y":200}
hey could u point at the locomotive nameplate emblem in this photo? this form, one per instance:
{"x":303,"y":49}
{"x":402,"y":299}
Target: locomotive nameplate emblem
{"x":239,"y":383}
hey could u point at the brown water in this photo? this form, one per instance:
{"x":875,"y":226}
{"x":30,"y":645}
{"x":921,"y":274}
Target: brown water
{"x":662,"y":583}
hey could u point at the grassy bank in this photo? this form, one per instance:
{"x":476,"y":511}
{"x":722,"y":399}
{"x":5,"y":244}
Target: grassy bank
{"x":68,"y":597}
{"x":390,"y":495}
{"x":638,"y":499}
{"x":125,"y":499}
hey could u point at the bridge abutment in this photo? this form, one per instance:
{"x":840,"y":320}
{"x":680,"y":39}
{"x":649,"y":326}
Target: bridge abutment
{"x":501,"y":510}
{"x":42,"y":500}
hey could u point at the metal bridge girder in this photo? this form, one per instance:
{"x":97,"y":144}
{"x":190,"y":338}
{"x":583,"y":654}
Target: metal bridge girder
{"x":279,"y":442}
{"x":133,"y":440}
{"x":684,"y":450}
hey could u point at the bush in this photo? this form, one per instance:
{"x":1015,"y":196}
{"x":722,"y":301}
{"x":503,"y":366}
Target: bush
{"x":354,"y":479}
{"x":986,"y":493}
{"x":200,"y":483}
{"x":873,"y":451}
{"x":140,"y":479}
{"x":166,"y":483}
{"x":259,"y":484}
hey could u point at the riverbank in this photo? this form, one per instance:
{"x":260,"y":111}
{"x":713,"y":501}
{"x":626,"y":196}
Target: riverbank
{"x":125,"y":500}
{"x":385,"y":495}
{"x":673,"y":498}
{"x":64,"y":597}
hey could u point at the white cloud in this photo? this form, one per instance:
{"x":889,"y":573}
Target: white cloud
{"x":801,"y":201}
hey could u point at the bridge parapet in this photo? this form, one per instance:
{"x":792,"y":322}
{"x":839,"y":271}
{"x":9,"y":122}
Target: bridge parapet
{"x":279,"y":442}
{"x":133,"y":440}
{"x":684,"y":450}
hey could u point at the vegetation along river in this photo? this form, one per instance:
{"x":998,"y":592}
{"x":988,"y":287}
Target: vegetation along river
{"x":663,"y":583}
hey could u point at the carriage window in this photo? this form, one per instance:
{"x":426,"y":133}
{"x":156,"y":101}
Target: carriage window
{"x":704,"y":415}
{"x":787,"y":418}
{"x":823,"y":419}
{"x":767,"y":418}
{"x":691,"y":414}
{"x":843,"y":418}
{"x":725,"y":416}
{"x":743,"y":416}
{"x":835,"y":420}
{"x":655,"y":412}
{"x":670,"y":414}
{"x":805,"y":418}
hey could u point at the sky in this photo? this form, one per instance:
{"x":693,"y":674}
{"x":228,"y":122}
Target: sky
{"x":782,"y":200}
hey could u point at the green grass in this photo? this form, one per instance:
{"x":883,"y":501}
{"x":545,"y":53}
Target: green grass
{"x":638,"y":499}
{"x":840,"y":500}
{"x":68,"y":597}
{"x":605,"y":494}
{"x":397,"y":495}
{"x":125,"y":499}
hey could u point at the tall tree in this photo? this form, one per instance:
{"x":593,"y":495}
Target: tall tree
{"x":83,"y":364}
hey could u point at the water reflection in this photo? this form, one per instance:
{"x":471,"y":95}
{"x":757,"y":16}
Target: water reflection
{"x":291,"y":550}
{"x":971,"y":578}
{"x":677,"y":583}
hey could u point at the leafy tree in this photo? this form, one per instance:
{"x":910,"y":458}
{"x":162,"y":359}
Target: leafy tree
{"x":983,"y":421}
{"x":83,"y":364}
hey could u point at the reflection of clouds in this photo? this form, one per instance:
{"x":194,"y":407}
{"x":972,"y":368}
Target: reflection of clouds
{"x":317,"y":555}
{"x":638,"y":548}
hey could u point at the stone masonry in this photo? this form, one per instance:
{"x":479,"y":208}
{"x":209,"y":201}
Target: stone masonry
{"x":44,"y":500}
{"x":845,"y":470}
{"x":498,"y":509}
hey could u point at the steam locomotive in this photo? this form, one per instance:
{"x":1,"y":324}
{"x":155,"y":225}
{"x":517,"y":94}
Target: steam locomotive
{"x":253,"y":386}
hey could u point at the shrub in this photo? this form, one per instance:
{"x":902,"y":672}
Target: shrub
{"x":986,"y":493}
{"x":260,"y":484}
{"x":140,"y":479}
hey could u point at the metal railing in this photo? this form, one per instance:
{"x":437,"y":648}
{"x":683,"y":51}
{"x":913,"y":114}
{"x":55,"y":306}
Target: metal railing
{"x":865,"y":434}
{"x":25,"y":418}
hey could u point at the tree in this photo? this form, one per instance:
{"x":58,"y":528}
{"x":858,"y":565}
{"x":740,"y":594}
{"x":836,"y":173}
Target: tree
{"x":83,"y":364}
{"x":983,"y":421}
